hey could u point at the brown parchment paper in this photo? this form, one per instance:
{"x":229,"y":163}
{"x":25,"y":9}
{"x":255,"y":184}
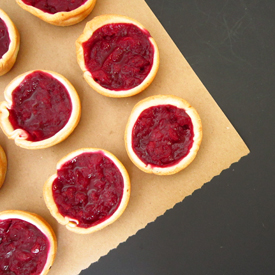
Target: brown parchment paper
{"x":102,"y":125}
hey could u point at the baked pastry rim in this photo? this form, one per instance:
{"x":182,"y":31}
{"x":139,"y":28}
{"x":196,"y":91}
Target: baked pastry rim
{"x":3,"y":166}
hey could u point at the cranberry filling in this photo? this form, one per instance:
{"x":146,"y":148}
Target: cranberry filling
{"x":119,"y":56}
{"x":41,"y":106}
{"x":54,"y":6}
{"x":23,"y":248}
{"x":162,"y":135}
{"x":88,"y":188}
{"x":4,"y":38}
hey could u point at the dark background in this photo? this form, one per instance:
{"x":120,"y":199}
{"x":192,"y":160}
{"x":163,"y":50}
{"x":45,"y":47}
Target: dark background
{"x":228,"y":226}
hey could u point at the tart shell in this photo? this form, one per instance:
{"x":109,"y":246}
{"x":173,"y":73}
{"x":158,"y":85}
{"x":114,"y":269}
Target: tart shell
{"x":8,"y":59}
{"x":71,"y":224}
{"x":42,"y":225}
{"x":19,"y":135}
{"x":3,"y":166}
{"x":61,"y":18}
{"x":89,"y":29}
{"x":163,"y":100}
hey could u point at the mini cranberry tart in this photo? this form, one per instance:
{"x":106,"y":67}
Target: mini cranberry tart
{"x":42,"y":108}
{"x":3,"y":166}
{"x":28,"y":244}
{"x":118,"y":56}
{"x":90,"y":190}
{"x":59,"y":12}
{"x":163,"y":134}
{"x":9,"y":43}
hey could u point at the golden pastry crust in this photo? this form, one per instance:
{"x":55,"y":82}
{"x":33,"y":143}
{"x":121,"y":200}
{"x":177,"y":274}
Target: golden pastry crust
{"x":19,"y":135}
{"x":163,"y":100}
{"x":61,"y":18}
{"x":8,"y":59}
{"x":42,"y":225}
{"x":89,"y":29}
{"x":3,"y":166}
{"x":71,"y":224}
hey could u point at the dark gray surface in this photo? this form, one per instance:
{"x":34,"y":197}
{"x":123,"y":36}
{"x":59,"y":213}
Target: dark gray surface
{"x":227,"y":227}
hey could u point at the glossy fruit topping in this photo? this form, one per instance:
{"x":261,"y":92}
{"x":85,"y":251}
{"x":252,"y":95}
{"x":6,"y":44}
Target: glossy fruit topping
{"x":4,"y":38}
{"x":41,"y":106}
{"x":162,"y":135}
{"x":54,"y":6}
{"x":119,"y":56}
{"x":23,"y":248}
{"x":88,"y":188}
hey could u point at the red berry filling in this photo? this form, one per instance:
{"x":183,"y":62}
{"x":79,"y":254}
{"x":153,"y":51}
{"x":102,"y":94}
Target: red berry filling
{"x":88,"y":188}
{"x":162,"y":135}
{"x":4,"y":38}
{"x":54,"y":6}
{"x":119,"y":56}
{"x":41,"y":105}
{"x":23,"y":248}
